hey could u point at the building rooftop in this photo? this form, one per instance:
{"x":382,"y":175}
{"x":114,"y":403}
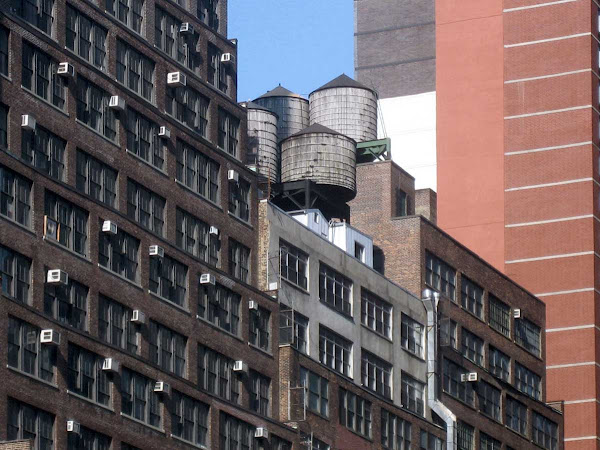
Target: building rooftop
{"x":343,"y":81}
{"x":280,"y":91}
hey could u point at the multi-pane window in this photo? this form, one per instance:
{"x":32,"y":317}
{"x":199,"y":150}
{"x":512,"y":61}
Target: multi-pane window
{"x":471,"y":347}
{"x":135,"y":70}
{"x":260,"y":324}
{"x":189,"y":419}
{"x":182,"y":47}
{"x":453,"y":385}
{"x":376,"y":313}
{"x":293,"y":264}
{"x":440,"y":276}
{"x":15,"y":274}
{"x":527,"y":335}
{"x":293,"y":329}
{"x":216,"y":375}
{"x":317,"y":444}
{"x":465,"y":435}
{"x":499,"y":316}
{"x":40,"y":77}
{"x":448,"y":333}
{"x":499,"y":364}
{"x":143,"y":140}
{"x":376,"y":374}
{"x":168,"y":279}
{"x":395,"y":432}
{"x":355,"y":412}
{"x":471,"y":297}
{"x":413,"y":394}
{"x":39,"y":13}
{"x":335,"y":289}
{"x":66,"y":224}
{"x":167,"y":348}
{"x":528,"y":382}
{"x":3,"y":126}
{"x":130,"y":12}
{"x":26,"y":353}
{"x":86,"y":377}
{"x":220,"y":306}
{"x":335,"y":351}
{"x":239,"y":199}
{"x":278,"y":443}
{"x":545,"y":432}
{"x":193,"y":236}
{"x":86,"y":38}
{"x":27,"y":422}
{"x":235,"y":434}
{"x":115,"y":325}
{"x":145,"y":207}
{"x":15,"y":196}
{"x":216,"y":72}
{"x":96,"y":179}
{"x":239,"y":261}
{"x":259,"y":393}
{"x":489,"y":400}
{"x":67,"y":303}
{"x":4,"y":51}
{"x":430,"y":441}
{"x":93,"y":109}
{"x":316,"y":394}
{"x":119,"y":253}
{"x":401,"y":203}
{"x":412,"y":335}
{"x":88,"y":439}
{"x":516,"y":416}
{"x":188,"y":106}
{"x":138,"y":399}
{"x":198,"y":172}
{"x":486,"y":442}
{"x":45,"y":151}
{"x":208,"y":13}
{"x":228,"y":132}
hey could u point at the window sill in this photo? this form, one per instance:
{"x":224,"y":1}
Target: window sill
{"x":21,"y":226}
{"x":96,"y":132}
{"x":500,"y":333}
{"x":295,"y":286}
{"x":153,"y":428}
{"x":142,"y":160}
{"x":242,"y":221}
{"x":6,"y":77}
{"x":524,"y":436}
{"x":177,"y":438}
{"x":337,"y":311}
{"x":472,"y":314}
{"x":212,"y":325}
{"x":43,"y":100}
{"x":528,"y":352}
{"x":121,"y":277}
{"x":62,"y":247}
{"x":318,"y":414}
{"x":85,"y":61}
{"x":170,"y":303}
{"x":81,"y":397}
{"x":262,"y":350}
{"x":190,"y":190}
{"x":382,"y":336}
{"x":413,"y":355}
{"x":138,"y":96}
{"x":32,"y":377}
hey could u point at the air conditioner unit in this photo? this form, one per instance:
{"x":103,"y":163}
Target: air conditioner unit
{"x":50,"y":337}
{"x":273,"y":286}
{"x":214,"y":231}
{"x":138,"y":316}
{"x":162,"y":387}
{"x":164,"y":133}
{"x":207,"y":278}
{"x":232,"y":175}
{"x":517,"y":313}
{"x":176,"y":79}
{"x":57,"y":276}
{"x":228,"y":58}
{"x":28,"y":122}
{"x":110,"y":365}
{"x":240,"y":366}
{"x":186,"y":28}
{"x":468,"y":377}
{"x":117,"y":103}
{"x":157,"y":250}
{"x":73,"y":427}
{"x":65,"y":69}
{"x":253,"y":305}
{"x":109,"y":227}
{"x":261,"y":433}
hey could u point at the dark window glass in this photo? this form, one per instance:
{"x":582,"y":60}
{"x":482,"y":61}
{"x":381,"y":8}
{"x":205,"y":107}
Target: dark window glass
{"x":376,"y":374}
{"x":86,"y":377}
{"x":39,"y":76}
{"x":516,"y":416}
{"x":376,"y":313}
{"x":545,"y":432}
{"x":27,"y":422}
{"x":15,"y":197}
{"x":167,"y":348}
{"x":139,"y":399}
{"x":168,"y":279}
{"x":15,"y":274}
{"x":430,"y":441}
{"x":528,"y":335}
{"x":208,"y":13}
{"x":471,"y":297}
{"x":4,"y":51}
{"x":413,"y":394}
{"x":88,"y":439}
{"x":293,"y":329}
{"x":194,"y":237}
{"x":26,"y":353}
{"x":66,"y":224}
{"x":260,"y":325}
{"x":119,"y":253}
{"x":486,"y":442}
{"x":293,"y":264}
{"x":355,"y":412}
{"x":528,"y":382}
{"x":67,"y":303}
{"x":143,"y":140}
{"x":401,"y":203}
{"x":145,"y":207}
{"x":440,"y":276}
{"x":472,"y":347}
{"x":335,"y":351}
{"x":316,"y":396}
{"x":86,"y":38}
{"x":235,"y":434}
{"x":259,"y":393}
{"x":335,"y":289}
{"x":93,"y":109}
{"x":499,"y":316}
{"x":216,"y":71}
{"x":182,"y":47}
{"x":239,"y":199}
{"x":96,"y":179}
{"x":189,"y":107}
{"x":465,"y":435}
{"x":45,"y":151}
{"x":395,"y":432}
{"x":115,"y":325}
{"x":499,"y":364}
{"x":189,"y":419}
{"x":220,"y":306}
{"x":198,"y":172}
{"x":135,"y":70}
{"x":489,"y":400}
{"x":228,"y":132}
{"x":412,"y":335}
{"x":3,"y":126}
{"x":39,"y":13}
{"x":216,"y":375}
{"x":453,"y":385}
{"x":130,"y":12}
{"x":239,"y":261}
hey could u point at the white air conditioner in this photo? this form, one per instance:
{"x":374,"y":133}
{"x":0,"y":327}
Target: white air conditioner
{"x":117,"y":103}
{"x":232,"y":175}
{"x":186,"y":28}
{"x":162,"y":387}
{"x":517,"y":313}
{"x":110,"y":365}
{"x":468,"y":377}
{"x":207,"y":278}
{"x":240,"y":366}
{"x":138,"y":316}
{"x":73,"y":427}
{"x":65,"y":69}
{"x":164,"y":132}
{"x":157,"y":250}
{"x":273,"y":286}
{"x":261,"y":433}
{"x":213,"y":230}
{"x":50,"y":337}
{"x":253,"y":305}
{"x":57,"y":276}
{"x":176,"y":79}
{"x":228,"y":58}
{"x":28,"y":122}
{"x":109,"y":227}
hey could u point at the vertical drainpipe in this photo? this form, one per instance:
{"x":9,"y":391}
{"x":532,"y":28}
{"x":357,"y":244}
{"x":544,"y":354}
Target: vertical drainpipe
{"x":430,"y":300}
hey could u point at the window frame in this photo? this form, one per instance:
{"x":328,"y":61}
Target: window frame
{"x":93,"y":109}
{"x":259,"y":328}
{"x":146,"y":207}
{"x":67,"y":304}
{"x":239,"y":261}
{"x":193,"y":236}
{"x":85,"y":373}
{"x":290,"y":255}
{"x":143,"y":140}
{"x":96,"y":39}
{"x":499,"y":316}
{"x":355,"y":412}
{"x":440,"y":276}
{"x":27,"y":356}
{"x":198,"y":172}
{"x":116,"y":253}
{"x":128,"y":12}
{"x":42,"y":435}
{"x":168,"y":279}
{"x":126,"y":332}
{"x":412,"y":335}
{"x":45,"y":151}
{"x":316,"y":391}
{"x":332,"y":345}
{"x":259,"y":390}
{"x":216,"y":375}
{"x":141,"y":403}
{"x":471,"y":298}
{"x":64,"y":216}
{"x":188,"y":107}
{"x":222,"y":310}
{"x":335,"y":290}
{"x":188,"y":412}
{"x":15,"y":284}
{"x":105,"y":187}
{"x":167,"y":348}
{"x":15,"y":197}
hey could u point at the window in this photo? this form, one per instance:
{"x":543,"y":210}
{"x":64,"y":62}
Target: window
{"x":168,"y":279}
{"x":143,"y":140}
{"x":239,"y":199}
{"x":44,"y":151}
{"x":293,"y":329}
{"x":179,"y":46}
{"x":86,"y":38}
{"x":260,"y":324}
{"x":220,"y":306}
{"x":293,"y":264}
{"x":145,"y":207}
{"x":130,"y":12}
{"x":376,"y":313}
{"x":135,"y":70}
{"x":27,"y":354}
{"x":216,"y":375}
{"x":15,"y":274}
{"x":486,"y":442}
{"x":376,"y":374}
{"x":93,"y":109}
{"x":430,"y":441}
{"x":235,"y":434}
{"x":316,"y":395}
{"x":68,"y":304}
{"x":96,"y":179}
{"x":516,"y":416}
{"x":471,"y":347}
{"x":489,"y":400}
{"x":66,"y":224}
{"x":15,"y":197}
{"x":401,"y":203}
{"x":448,"y":333}
{"x":4,"y":51}
{"x":528,"y":382}
{"x":189,"y":419}
{"x":198,"y":172}
{"x":259,"y":393}
{"x":395,"y":432}
{"x":319,"y":445}
{"x":466,"y":436}
{"x":499,"y":364}
{"x":453,"y":385}
{"x":115,"y":326}
{"x":228,"y":132}
{"x":216,"y":73}
{"x":355,"y":412}
{"x":139,"y":399}
{"x":3,"y":126}
{"x":193,"y":237}
{"x":27,"y":422}
{"x":119,"y":253}
{"x":167,"y":348}
{"x":335,"y":351}
{"x":471,"y":297}
{"x":335,"y":289}
{"x":86,"y":377}
{"x":527,"y":335}
{"x":88,"y":439}
{"x":499,"y":316}
{"x":412,"y":335}
{"x":359,"y":251}
{"x":39,"y":76}
{"x":413,"y":394}
{"x":208,"y":13}
{"x":278,"y":443}
{"x":39,"y":13}
{"x":440,"y":276}
{"x":189,"y":107}
{"x":239,"y":261}
{"x":545,"y":432}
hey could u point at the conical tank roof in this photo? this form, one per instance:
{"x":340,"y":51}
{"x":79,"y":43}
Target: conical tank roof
{"x":280,"y":91}
{"x":343,"y":81}
{"x":253,"y":105}
{"x":318,"y":128}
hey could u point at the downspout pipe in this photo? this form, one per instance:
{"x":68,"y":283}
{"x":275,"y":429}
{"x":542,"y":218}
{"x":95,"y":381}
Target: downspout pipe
{"x":431,"y":300}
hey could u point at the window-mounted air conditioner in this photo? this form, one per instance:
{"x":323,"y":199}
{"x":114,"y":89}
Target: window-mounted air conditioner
{"x":186,"y":28}
{"x":207,"y":278}
{"x":50,"y":337}
{"x":138,"y":316}
{"x":162,"y":387}
{"x":156,"y":251}
{"x":213,"y":230}
{"x":240,"y":366}
{"x":232,"y":175}
{"x":273,"y":286}
{"x":57,"y":276}
{"x":228,"y":58}
{"x":164,"y":133}
{"x":109,"y":227}
{"x":517,"y":313}
{"x":176,"y":79}
{"x":261,"y":433}
{"x":110,"y":365}
{"x":253,"y":305}
{"x":117,"y":103}
{"x":65,"y":69}
{"x":73,"y":426}
{"x":468,"y":377}
{"x":28,"y":122}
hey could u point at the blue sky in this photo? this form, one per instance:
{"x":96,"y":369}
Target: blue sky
{"x":301,"y":44}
